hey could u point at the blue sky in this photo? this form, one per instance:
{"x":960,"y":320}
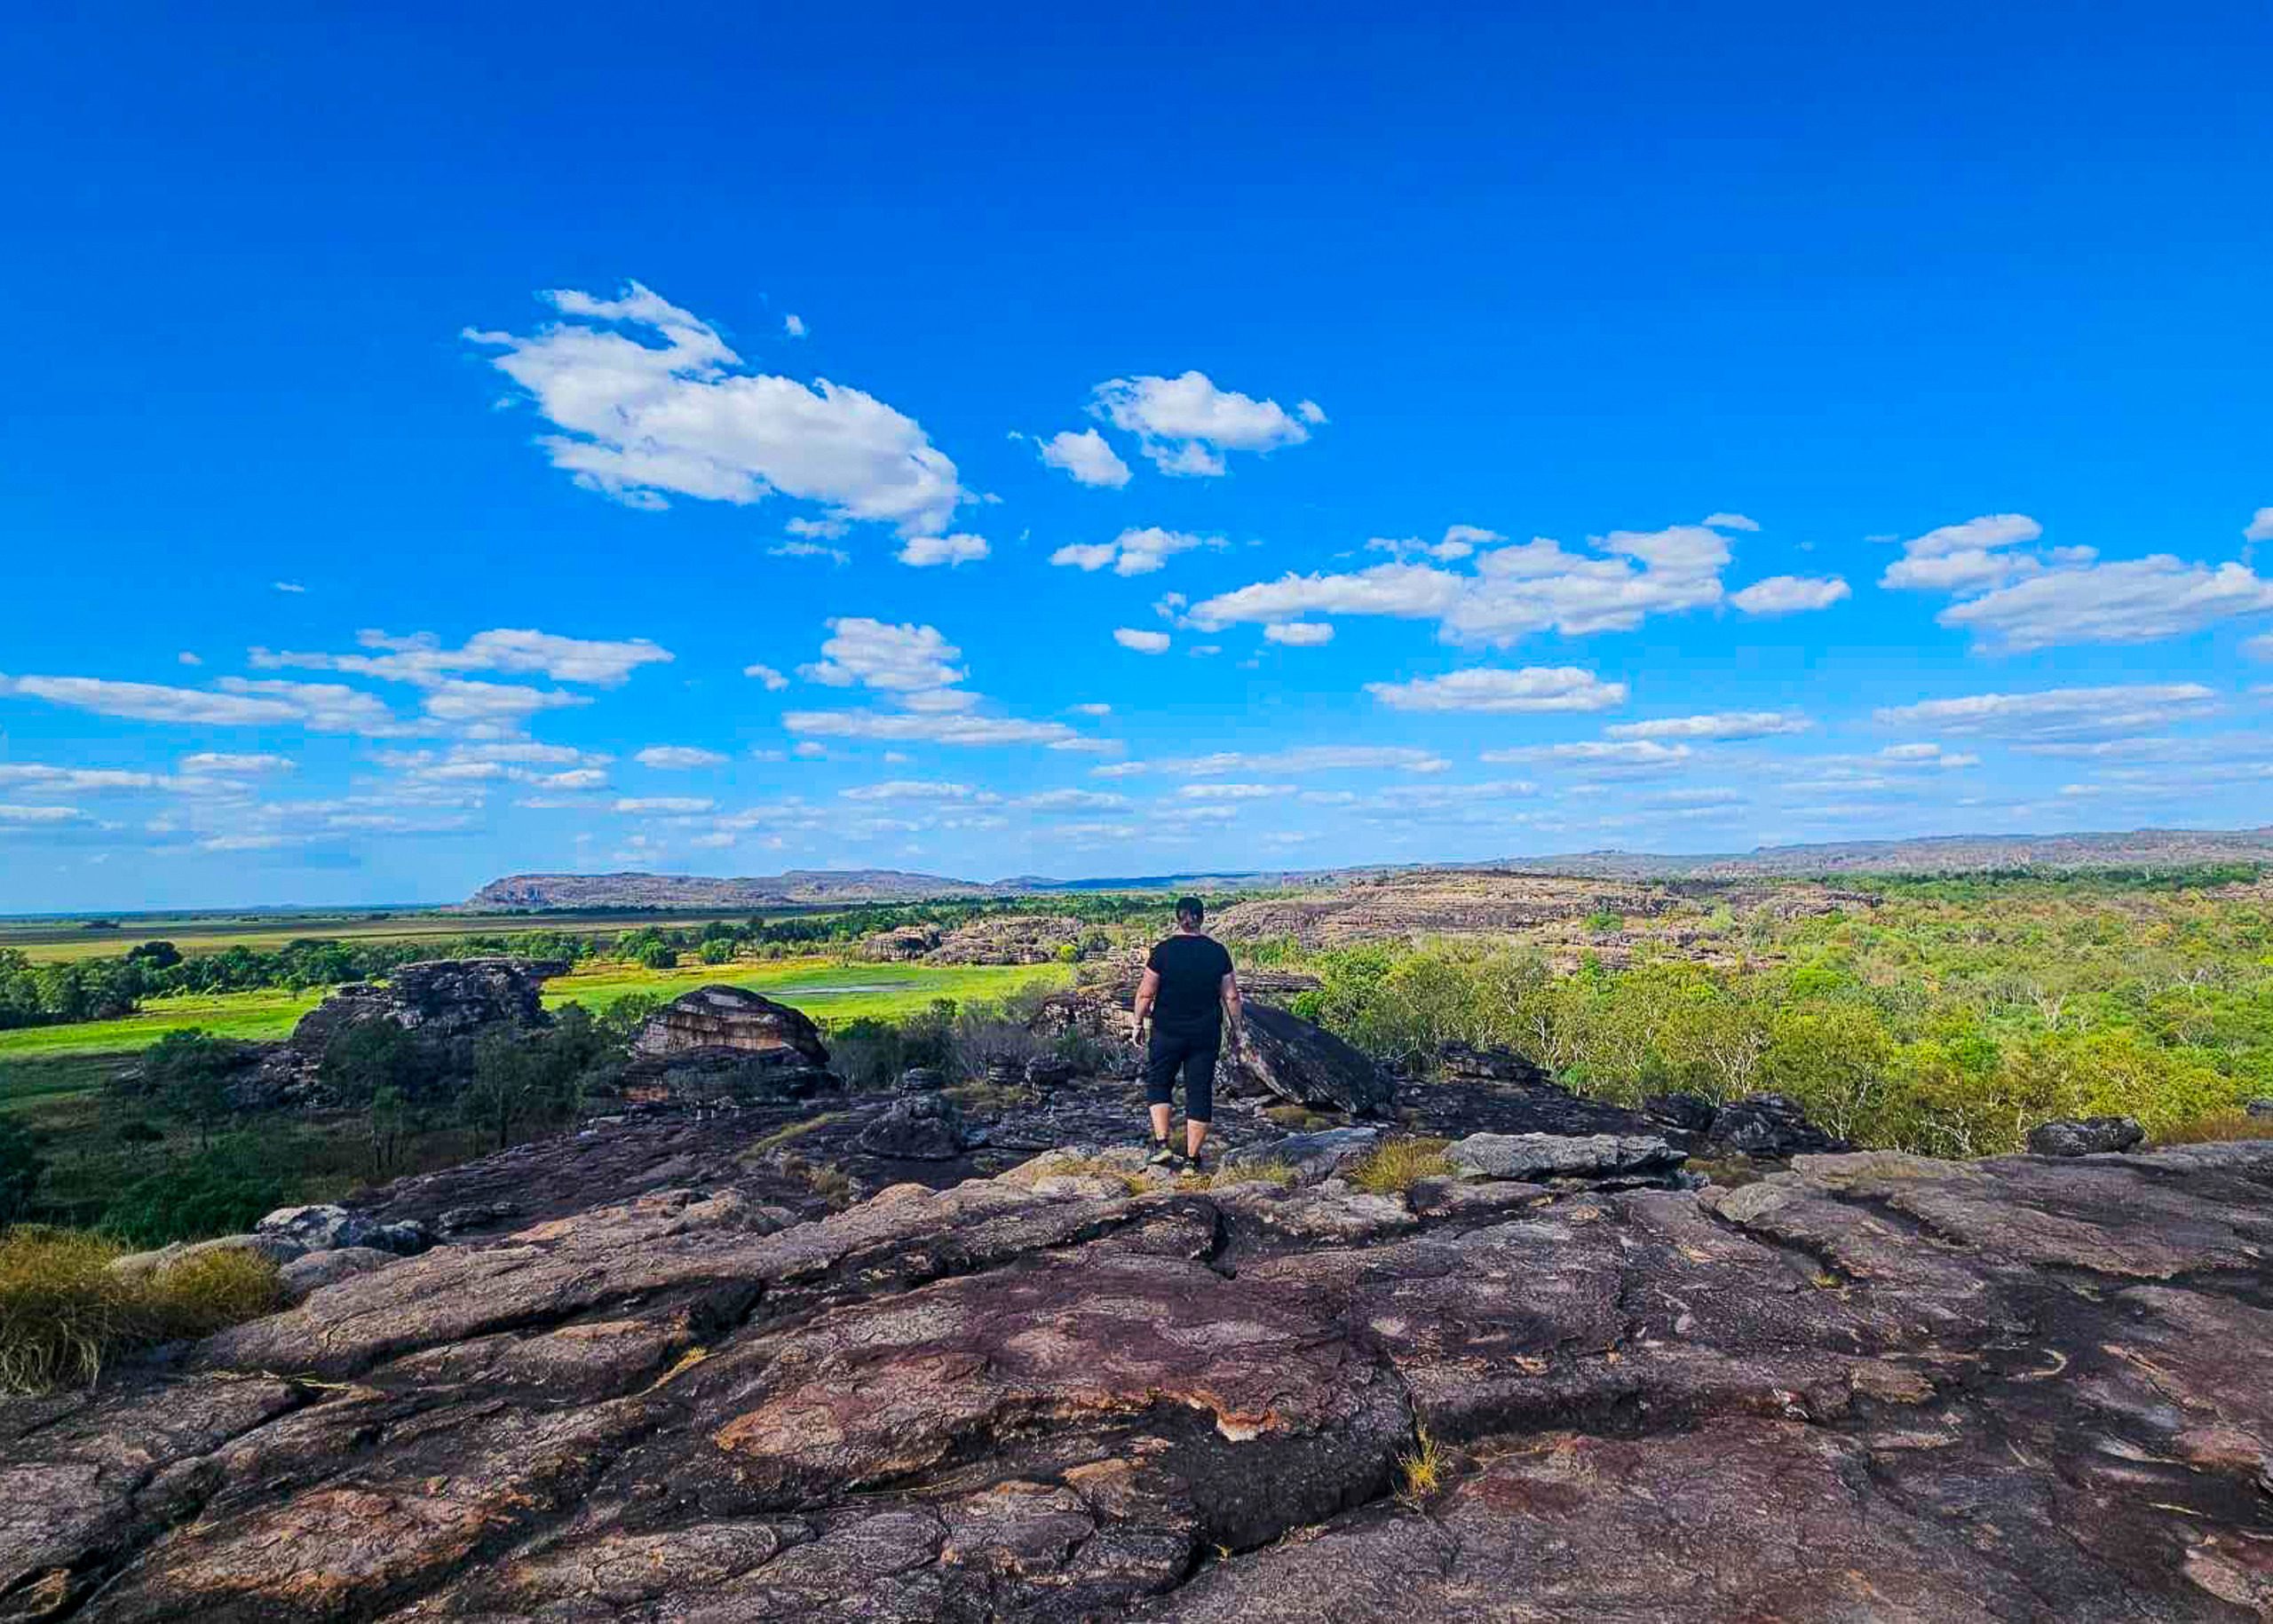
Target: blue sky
{"x":444,"y":445}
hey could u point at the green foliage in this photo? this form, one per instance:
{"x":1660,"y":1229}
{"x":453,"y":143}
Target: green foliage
{"x":223,"y":1191}
{"x":523,"y":1077}
{"x":188,"y":1072}
{"x":64,"y":1310}
{"x":20,"y":1167}
{"x":369,"y":1057}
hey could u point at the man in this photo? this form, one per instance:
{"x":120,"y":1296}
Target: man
{"x":1189,"y":988}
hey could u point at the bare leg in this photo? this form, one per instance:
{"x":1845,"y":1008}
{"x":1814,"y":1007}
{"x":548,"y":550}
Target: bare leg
{"x":1194,"y":1134}
{"x":1160,"y":1124}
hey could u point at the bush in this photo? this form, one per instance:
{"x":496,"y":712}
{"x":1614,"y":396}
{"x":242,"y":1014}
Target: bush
{"x":224,"y":1190}
{"x":20,"y":1167}
{"x":63,"y":1311}
{"x":2217,"y":1126}
{"x":1400,"y":1164}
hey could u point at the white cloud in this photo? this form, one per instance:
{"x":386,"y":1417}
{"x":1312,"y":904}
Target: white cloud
{"x":2057,"y":714}
{"x":40,"y":778}
{"x":1923,"y":755}
{"x":240,"y":704}
{"x":1724,"y":725}
{"x":2135,"y":601}
{"x":924,"y":552}
{"x":909,"y":790}
{"x":421,"y":658}
{"x":1312,"y":758}
{"x":288,"y":586}
{"x":492,"y":704}
{"x":1094,"y":708}
{"x":187,"y":657}
{"x":677,"y":757}
{"x":1790,"y":594}
{"x":899,"y":659}
{"x":1462,"y":802}
{"x":1460,"y":542}
{"x":886,"y":727}
{"x":1299,"y":634}
{"x":1142,"y":642}
{"x":1132,"y":552}
{"x":1235,"y":792}
{"x":1187,"y":424}
{"x":38,"y":814}
{"x":1072,"y":800}
{"x":2260,"y":527}
{"x":773,"y":680}
{"x":665,"y":803}
{"x":809,"y":549}
{"x":793,"y":324}
{"x":643,"y":420}
{"x":1121,"y":769}
{"x":1533,"y":688}
{"x":1964,"y":557}
{"x":575,"y":779}
{"x":2259,"y":648}
{"x":1511,"y":592}
{"x":1086,"y":456}
{"x":216,"y":761}
{"x":1627,"y":754}
{"x":1728,"y":521}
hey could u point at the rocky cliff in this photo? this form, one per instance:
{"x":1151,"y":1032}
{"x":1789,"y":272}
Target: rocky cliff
{"x":665,"y":1382}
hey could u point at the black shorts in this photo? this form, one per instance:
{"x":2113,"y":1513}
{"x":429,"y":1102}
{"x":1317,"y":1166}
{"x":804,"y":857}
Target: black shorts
{"x":1195,"y":1053}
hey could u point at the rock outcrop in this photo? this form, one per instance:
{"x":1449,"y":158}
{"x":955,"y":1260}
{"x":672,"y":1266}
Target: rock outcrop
{"x":726,"y":1043}
{"x":1289,"y":1057}
{"x":446,"y":1003}
{"x":2090,"y":1136}
{"x":1870,"y":1387}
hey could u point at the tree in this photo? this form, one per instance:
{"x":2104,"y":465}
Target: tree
{"x":20,"y":1167}
{"x":370,"y":1057}
{"x":222,"y":1190}
{"x":519,"y":1077}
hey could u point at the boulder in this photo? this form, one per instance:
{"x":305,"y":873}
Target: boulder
{"x":2091,"y":1136}
{"x":703,"y":1077}
{"x":305,"y":1275}
{"x":457,"y":1220}
{"x":1049,"y":1071}
{"x":922,"y":1079}
{"x":1535,"y":1158}
{"x":1287,"y":1056}
{"x":917,"y":1128}
{"x":1768,"y":1126}
{"x":325,"y":1229}
{"x":729,"y":1018}
{"x":2260,"y":1108}
{"x":1689,"y":1113}
{"x":140,"y":1265}
{"x":1464,"y":1063}
{"x":1314,"y":1156}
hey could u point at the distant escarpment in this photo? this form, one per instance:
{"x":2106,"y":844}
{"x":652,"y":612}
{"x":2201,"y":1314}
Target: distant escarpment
{"x":528,"y":893}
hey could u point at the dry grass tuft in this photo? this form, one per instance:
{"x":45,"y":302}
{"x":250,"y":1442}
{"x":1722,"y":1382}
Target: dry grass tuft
{"x":1400,"y":1164}
{"x":2217,"y":1128}
{"x":1424,"y":1470}
{"x":758,"y":1149}
{"x":1092,"y":1167}
{"x":63,"y":1311}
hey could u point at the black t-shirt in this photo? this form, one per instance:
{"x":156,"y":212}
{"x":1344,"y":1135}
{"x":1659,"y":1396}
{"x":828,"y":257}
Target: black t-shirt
{"x":1191,"y":970}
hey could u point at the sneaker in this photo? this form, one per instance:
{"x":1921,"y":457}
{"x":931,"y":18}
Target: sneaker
{"x":1164,"y":1158}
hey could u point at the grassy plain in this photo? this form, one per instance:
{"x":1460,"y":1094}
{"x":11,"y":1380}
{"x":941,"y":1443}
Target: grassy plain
{"x":56,"y":940}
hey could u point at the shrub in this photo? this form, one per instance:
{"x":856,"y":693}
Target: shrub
{"x":63,"y":1311}
{"x":2216,"y":1127}
{"x":1400,"y":1164}
{"x":225,"y":1191}
{"x":20,"y":1167}
{"x":1423,"y":1469}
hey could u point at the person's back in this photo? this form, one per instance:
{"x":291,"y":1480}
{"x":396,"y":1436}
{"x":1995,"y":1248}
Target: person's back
{"x":1191,"y":968}
{"x":1187,"y":990}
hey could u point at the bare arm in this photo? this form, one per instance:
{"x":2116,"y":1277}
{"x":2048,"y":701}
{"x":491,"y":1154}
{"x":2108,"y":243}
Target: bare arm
{"x":1232,"y":1012}
{"x":1147,"y":990}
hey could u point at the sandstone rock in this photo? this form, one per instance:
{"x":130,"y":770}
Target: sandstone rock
{"x":2258,"y":1108}
{"x":729,"y":1018}
{"x":1464,"y":1063}
{"x":311,"y":1273}
{"x":1690,"y":1114}
{"x":1535,"y":1157}
{"x":1049,"y":1072}
{"x":445,"y":1002}
{"x":323,"y":1229}
{"x":1314,"y":1156}
{"x":2090,"y":1136}
{"x":917,"y":1128}
{"x":1287,"y":1056}
{"x":457,"y":1220}
{"x":1770,"y":1126}
{"x":922,"y":1079}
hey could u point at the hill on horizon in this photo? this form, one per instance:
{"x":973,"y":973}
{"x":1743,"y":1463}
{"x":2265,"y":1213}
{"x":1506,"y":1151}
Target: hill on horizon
{"x":1935,"y":855}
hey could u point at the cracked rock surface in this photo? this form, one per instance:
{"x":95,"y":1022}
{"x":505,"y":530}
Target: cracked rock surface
{"x":1873,"y":1387}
